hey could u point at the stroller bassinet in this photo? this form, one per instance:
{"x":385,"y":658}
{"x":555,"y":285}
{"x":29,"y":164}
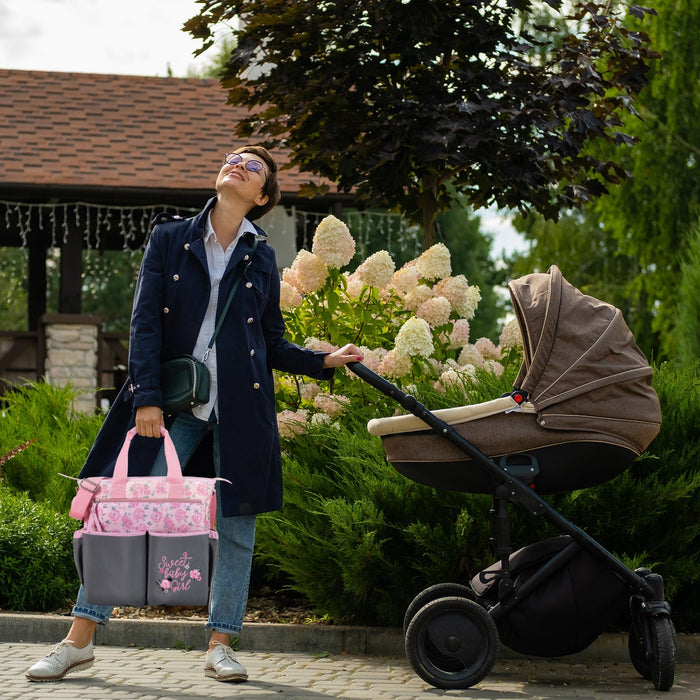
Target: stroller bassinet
{"x":587,"y":407}
{"x":581,"y":411}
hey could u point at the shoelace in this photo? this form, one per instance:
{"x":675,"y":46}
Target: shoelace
{"x":227,"y":651}
{"x":57,"y":649}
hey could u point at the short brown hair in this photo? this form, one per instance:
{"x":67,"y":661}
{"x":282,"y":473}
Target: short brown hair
{"x":271,"y":187}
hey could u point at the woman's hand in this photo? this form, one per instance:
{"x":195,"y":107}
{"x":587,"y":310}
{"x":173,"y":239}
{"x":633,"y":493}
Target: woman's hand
{"x":348,"y":353}
{"x":149,"y":420}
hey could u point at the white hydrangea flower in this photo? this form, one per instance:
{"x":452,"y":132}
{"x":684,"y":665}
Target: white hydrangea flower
{"x":333,"y":242}
{"x":320,"y":345}
{"x":436,"y":311}
{"x":309,"y":390}
{"x":310,"y":272}
{"x":377,"y":270}
{"x":494,"y":367}
{"x":487,"y":349}
{"x":405,"y":279}
{"x":435,"y":263}
{"x":354,"y":285}
{"x":332,"y":405}
{"x":291,"y":423}
{"x":289,"y":296}
{"x":470,"y":356}
{"x":457,"y":291}
{"x":394,"y":365}
{"x":511,"y":336}
{"x":456,"y":379}
{"x":473,"y":299}
{"x":460,"y":334}
{"x":414,"y":338}
{"x":417,"y":296}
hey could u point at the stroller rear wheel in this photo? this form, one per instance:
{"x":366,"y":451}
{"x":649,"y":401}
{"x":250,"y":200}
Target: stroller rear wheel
{"x":652,"y":647}
{"x":451,"y":642}
{"x":438,"y":590}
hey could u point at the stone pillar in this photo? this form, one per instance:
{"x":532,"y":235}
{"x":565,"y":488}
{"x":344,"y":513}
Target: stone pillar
{"x":72,"y":351}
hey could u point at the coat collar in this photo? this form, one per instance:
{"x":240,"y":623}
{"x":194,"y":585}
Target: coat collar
{"x":242,"y":249}
{"x":200,"y":220}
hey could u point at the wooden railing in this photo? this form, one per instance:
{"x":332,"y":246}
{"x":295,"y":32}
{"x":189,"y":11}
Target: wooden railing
{"x":23,"y":357}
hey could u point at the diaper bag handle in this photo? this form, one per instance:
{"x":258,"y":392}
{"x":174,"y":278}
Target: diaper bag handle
{"x":176,"y":482}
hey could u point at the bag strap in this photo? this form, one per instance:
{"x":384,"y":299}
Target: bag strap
{"x":228,"y":301}
{"x":176,"y":482}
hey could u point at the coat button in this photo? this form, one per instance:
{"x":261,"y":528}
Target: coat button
{"x":250,"y":320}
{"x":176,"y":278}
{"x":249,"y":284}
{"x":166,"y":310}
{"x":187,"y":246}
{"x":252,"y":352}
{"x":256,"y":386}
{"x":247,"y":257}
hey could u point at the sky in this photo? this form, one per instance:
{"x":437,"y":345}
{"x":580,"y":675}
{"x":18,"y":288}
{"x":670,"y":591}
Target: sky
{"x":128,"y":37}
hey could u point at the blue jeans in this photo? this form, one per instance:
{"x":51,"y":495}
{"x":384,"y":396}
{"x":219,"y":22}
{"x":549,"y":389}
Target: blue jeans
{"x":229,"y":587}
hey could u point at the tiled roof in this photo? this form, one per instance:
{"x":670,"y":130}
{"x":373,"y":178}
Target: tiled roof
{"x":115,"y":131}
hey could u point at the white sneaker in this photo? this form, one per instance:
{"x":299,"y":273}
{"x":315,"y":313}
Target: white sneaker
{"x":221,"y":664}
{"x":64,"y":658}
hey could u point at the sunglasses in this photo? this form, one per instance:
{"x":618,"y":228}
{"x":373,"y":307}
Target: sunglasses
{"x":254,"y":166}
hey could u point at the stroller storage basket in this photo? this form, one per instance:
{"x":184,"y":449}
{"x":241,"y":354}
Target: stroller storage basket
{"x":566,"y":613}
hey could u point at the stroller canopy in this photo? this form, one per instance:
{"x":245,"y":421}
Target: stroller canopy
{"x":582,"y":369}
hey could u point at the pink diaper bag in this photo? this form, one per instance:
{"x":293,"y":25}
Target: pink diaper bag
{"x":146,"y":540}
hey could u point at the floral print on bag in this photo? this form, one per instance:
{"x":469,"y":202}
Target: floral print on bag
{"x":146,"y":506}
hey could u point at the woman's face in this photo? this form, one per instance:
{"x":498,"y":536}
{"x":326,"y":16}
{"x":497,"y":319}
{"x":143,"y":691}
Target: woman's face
{"x":237,"y":179}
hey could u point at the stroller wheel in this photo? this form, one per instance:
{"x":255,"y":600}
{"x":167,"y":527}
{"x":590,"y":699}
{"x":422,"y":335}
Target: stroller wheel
{"x":652,"y":648}
{"x":438,"y":590}
{"x":451,"y":642}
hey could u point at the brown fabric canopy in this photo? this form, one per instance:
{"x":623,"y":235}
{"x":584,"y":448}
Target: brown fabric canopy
{"x":582,"y":369}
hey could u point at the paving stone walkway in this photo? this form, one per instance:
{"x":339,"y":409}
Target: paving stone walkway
{"x":175,"y":674}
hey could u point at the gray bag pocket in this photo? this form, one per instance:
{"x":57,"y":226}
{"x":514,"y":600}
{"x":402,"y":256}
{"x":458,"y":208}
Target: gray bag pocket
{"x":112,"y":567}
{"x":180,"y":567}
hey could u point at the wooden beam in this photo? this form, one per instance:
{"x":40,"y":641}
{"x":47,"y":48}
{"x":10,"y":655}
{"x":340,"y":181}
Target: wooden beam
{"x":36,"y":280}
{"x":71,"y":271}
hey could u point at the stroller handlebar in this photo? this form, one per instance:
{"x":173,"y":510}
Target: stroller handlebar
{"x":391,"y":390}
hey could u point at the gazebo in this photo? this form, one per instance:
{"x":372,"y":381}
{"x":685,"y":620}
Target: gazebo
{"x":88,"y":160}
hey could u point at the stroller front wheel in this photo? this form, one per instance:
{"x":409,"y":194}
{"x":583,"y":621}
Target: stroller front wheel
{"x":652,"y":648}
{"x":452,"y":642}
{"x":438,"y":590}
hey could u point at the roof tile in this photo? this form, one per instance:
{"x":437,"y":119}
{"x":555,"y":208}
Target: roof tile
{"x":88,"y":119}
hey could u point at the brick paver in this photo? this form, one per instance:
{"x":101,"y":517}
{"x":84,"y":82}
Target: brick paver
{"x":173,"y":674}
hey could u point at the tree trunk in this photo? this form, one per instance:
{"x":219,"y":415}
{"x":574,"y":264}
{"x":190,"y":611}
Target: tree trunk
{"x":429,"y":207}
{"x":428,"y":228}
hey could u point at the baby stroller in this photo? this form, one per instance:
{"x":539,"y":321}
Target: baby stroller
{"x":582,"y":410}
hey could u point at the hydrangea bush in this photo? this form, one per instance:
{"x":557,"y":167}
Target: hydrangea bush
{"x":412,"y":324}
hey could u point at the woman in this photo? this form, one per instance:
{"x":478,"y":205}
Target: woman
{"x":188,"y":266}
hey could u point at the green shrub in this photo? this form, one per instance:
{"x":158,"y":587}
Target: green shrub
{"x":684,"y":343}
{"x":61,"y":439}
{"x":37,"y":571}
{"x":359,"y":540}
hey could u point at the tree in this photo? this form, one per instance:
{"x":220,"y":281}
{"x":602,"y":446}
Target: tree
{"x":13,"y":289}
{"x":686,"y":326}
{"x":470,"y":250}
{"x":652,"y":214}
{"x":398,"y":101}
{"x":590,"y":258}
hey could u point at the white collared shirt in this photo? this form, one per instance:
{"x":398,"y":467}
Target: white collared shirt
{"x":217,"y":261}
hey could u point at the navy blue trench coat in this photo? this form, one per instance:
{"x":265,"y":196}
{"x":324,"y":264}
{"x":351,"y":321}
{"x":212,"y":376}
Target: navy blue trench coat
{"x":171,"y":297}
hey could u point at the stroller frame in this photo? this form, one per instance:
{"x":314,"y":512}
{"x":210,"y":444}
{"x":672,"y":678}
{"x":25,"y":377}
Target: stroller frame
{"x":451,"y":639}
